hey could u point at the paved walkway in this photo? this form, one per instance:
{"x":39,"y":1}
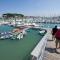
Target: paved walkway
{"x":50,"y":53}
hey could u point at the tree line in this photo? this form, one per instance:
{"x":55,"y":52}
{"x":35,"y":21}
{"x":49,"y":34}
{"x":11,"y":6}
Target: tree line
{"x":12,"y":15}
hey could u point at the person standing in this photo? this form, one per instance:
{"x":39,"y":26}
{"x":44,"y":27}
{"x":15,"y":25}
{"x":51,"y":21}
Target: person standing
{"x":54,"y":30}
{"x":57,"y":36}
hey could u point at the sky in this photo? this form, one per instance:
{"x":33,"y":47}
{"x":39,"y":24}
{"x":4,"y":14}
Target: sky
{"x":31,"y":7}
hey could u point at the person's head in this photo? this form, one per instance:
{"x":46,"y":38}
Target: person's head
{"x":56,"y":26}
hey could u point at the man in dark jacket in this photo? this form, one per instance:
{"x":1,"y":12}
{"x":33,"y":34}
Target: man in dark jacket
{"x":54,"y":30}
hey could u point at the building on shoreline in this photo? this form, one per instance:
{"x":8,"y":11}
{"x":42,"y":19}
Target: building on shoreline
{"x":21,"y":19}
